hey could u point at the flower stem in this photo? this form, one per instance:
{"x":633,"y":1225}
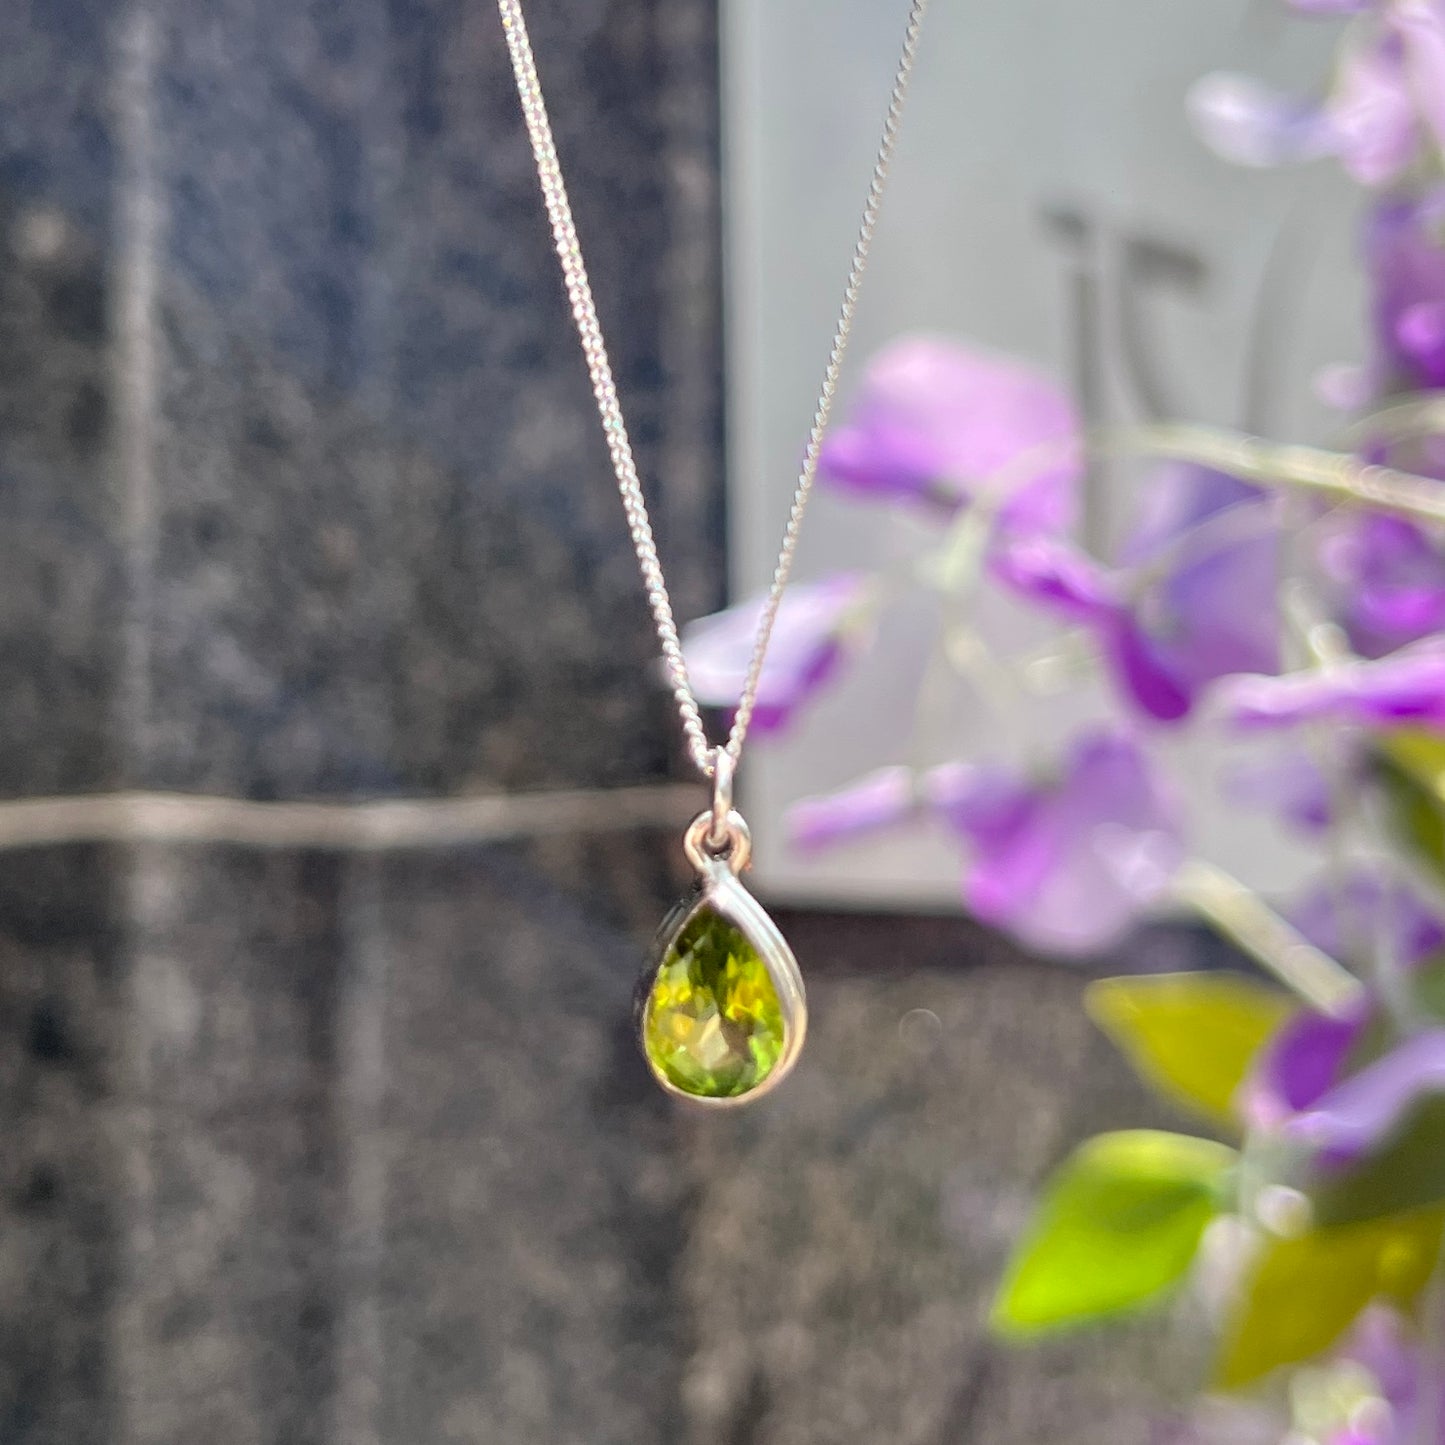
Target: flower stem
{"x":1243,"y":917}
{"x":956,"y":570}
{"x":1403,"y":420}
{"x":1333,"y":475}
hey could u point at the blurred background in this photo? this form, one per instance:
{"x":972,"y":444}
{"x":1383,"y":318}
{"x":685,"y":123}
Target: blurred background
{"x":302,"y":497}
{"x":1051,"y":202}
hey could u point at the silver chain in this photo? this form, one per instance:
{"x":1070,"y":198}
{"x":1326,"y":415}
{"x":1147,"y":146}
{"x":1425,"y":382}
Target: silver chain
{"x":584,"y":313}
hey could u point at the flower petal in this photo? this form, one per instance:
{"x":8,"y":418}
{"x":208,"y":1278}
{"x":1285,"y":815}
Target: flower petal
{"x":940,"y":423}
{"x":1345,"y":386}
{"x":1354,"y":1118}
{"x":880,"y":800}
{"x":1251,"y":124}
{"x":1372,"y":114}
{"x":1421,"y":26}
{"x":1176,"y":498}
{"x":1055,"y":574}
{"x":810,"y":635}
{"x":1288,"y":782}
{"x":1146,"y":676}
{"x":1365,"y":910}
{"x":1390,"y":580}
{"x":1407,"y":687}
{"x":1405,"y":258}
{"x":1211,"y":610}
{"x":1066,"y":866}
{"x":1300,"y":1064}
{"x":986,"y":804}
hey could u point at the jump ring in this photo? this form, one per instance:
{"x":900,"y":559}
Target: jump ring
{"x":737,"y":848}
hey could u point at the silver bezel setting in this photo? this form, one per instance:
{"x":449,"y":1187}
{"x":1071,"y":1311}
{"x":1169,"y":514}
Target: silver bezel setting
{"x":720,"y":890}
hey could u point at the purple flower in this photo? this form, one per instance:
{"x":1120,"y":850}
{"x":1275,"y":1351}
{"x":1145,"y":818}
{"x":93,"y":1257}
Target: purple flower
{"x":1405,"y":257}
{"x":1058,"y":576}
{"x":1382,"y":1341}
{"x":943,"y":424}
{"x":1363,"y":910}
{"x":1197,"y":602}
{"x":816,"y":625}
{"x":1387,"y":102}
{"x":1251,"y":124}
{"x":1289,"y":782}
{"x":1405,"y":688}
{"x":883,"y":799}
{"x":880,"y":800}
{"x":1213,"y":609}
{"x":1354,"y":1118}
{"x":1302,"y":1085}
{"x":1299,"y":1065}
{"x":1309,"y":1055}
{"x":1390,"y":580}
{"x":1367,"y":1391}
{"x":1064,"y":864}
{"x":1420,"y":25}
{"x":1372,"y":115}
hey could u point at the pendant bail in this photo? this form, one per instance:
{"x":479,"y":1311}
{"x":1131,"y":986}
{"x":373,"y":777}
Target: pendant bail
{"x":722,"y":799}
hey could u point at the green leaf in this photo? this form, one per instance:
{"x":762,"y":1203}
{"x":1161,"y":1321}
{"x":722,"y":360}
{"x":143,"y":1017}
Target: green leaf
{"x":1302,"y":1294}
{"x":1191,"y":1036}
{"x":1408,"y":1172}
{"x":1427,"y":986}
{"x":1411,"y":768}
{"x":1422,"y":755}
{"x":1118,"y":1225}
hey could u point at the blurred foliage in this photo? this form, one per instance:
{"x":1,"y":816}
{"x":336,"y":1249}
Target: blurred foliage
{"x":1411,"y":769}
{"x":1408,"y":1171}
{"x":1191,"y":1036}
{"x":1118,"y":1226}
{"x":1300,"y":1295}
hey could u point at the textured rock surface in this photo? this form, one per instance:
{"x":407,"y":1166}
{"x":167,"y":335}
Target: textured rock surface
{"x":397,"y":1176}
{"x":62,"y":1029}
{"x":306,"y":493}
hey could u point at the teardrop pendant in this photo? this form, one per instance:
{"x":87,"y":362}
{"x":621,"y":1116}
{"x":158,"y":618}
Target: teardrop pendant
{"x":720,"y":1009}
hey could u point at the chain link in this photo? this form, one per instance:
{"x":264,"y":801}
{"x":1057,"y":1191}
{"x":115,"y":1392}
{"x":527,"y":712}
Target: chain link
{"x":604,"y":390}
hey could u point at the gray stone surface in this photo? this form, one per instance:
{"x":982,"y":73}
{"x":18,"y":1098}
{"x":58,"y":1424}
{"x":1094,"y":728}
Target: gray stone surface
{"x":62,"y":1028}
{"x":61,"y":598}
{"x":288,"y":383}
{"x":360,"y":330}
{"x":393,"y":1172}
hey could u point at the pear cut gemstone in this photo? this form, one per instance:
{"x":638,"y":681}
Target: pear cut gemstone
{"x":712,"y":1025}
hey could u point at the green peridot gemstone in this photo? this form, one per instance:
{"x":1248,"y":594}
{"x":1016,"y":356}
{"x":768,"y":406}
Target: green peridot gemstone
{"x":712,"y":1025}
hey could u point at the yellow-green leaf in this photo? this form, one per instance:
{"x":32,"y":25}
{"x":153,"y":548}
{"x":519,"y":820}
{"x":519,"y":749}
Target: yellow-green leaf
{"x":1191,"y":1036}
{"x":1422,"y":755}
{"x":1411,"y":765}
{"x":1427,"y":986}
{"x":1407,"y":1172}
{"x":1117,"y":1226}
{"x":1302,"y":1294}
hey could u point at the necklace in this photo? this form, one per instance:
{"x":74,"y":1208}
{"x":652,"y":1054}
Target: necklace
{"x":721,"y":1009}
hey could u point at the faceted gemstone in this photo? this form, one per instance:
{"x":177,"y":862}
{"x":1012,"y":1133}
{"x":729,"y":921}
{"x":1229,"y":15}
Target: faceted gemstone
{"x":713,"y":1025}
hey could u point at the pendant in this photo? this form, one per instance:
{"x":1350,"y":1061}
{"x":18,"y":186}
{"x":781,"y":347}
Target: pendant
{"x":721,"y":1011}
